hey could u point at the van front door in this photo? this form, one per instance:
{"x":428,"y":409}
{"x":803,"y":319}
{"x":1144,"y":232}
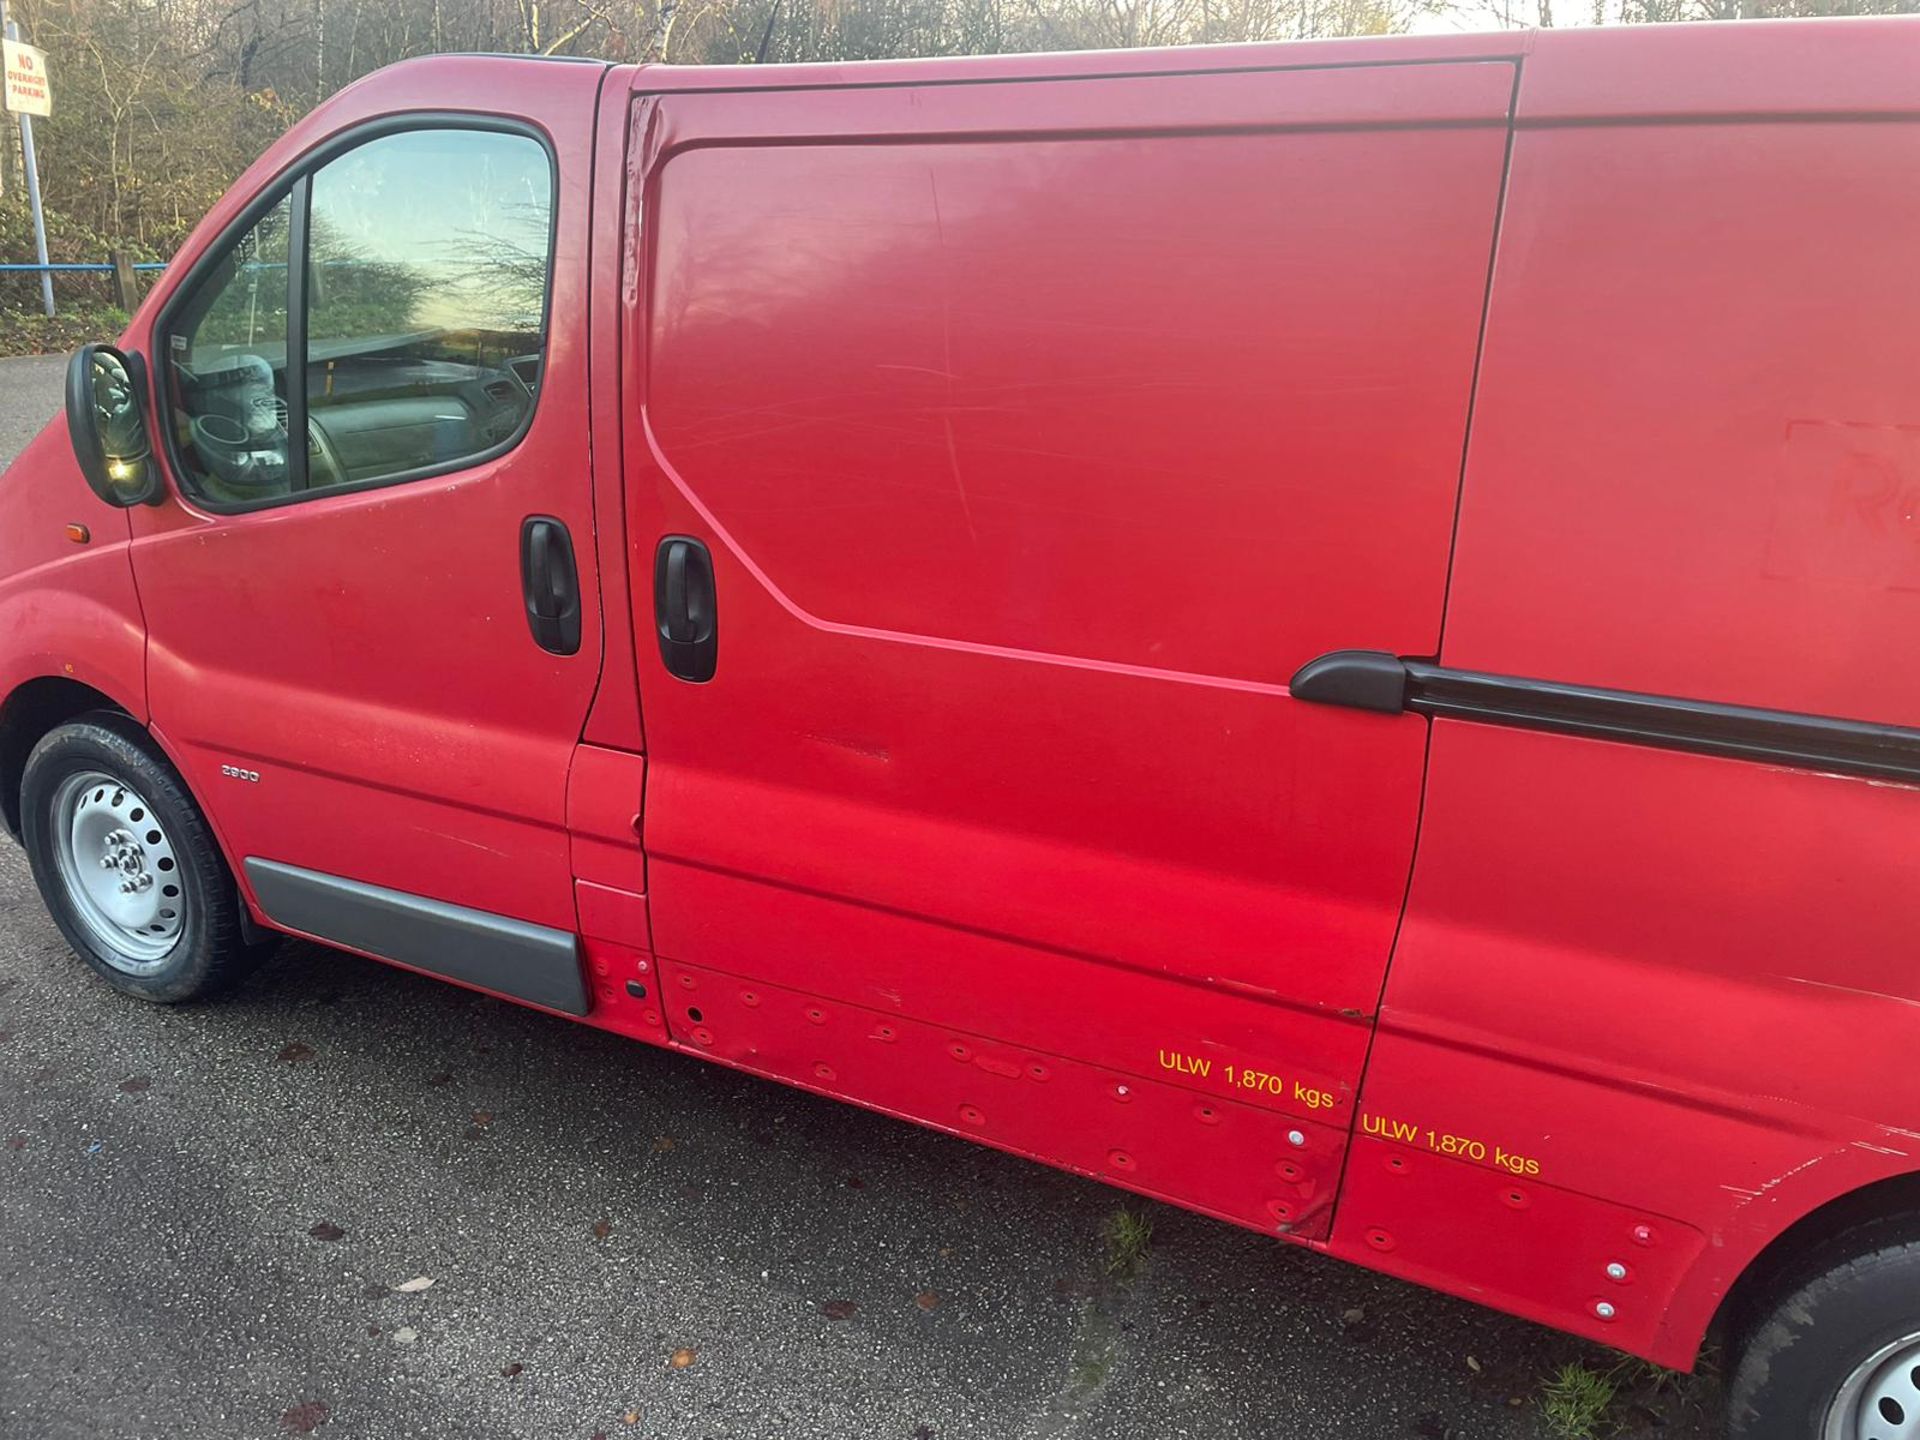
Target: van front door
{"x":343,"y":659}
{"x":992,"y":490}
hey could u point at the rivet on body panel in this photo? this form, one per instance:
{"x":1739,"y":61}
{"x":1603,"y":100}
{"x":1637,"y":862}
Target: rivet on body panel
{"x":1603,"y":1309}
{"x":882,"y":1032}
{"x":1380,"y":1239}
{"x":1289,"y":1171}
{"x":687,"y":982}
{"x":1618,"y":1273}
{"x":973,"y":1115}
{"x":816,"y":1015}
{"x":824,"y":1071}
{"x":1296,"y":1138}
{"x":702,"y":1035}
{"x":1206,"y":1114}
{"x":1397,"y":1164}
{"x":1120,"y":1160}
{"x":1281,"y":1210}
{"x":750,"y":998}
{"x":1645,"y":1235}
{"x":1122,"y":1093}
{"x":1037,"y":1071}
{"x":959,"y":1051}
{"x":1517,"y":1198}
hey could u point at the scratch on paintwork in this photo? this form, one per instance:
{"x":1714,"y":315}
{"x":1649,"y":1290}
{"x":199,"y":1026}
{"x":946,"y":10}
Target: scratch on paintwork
{"x":946,"y":356}
{"x":918,"y":370}
{"x":1896,"y":1130}
{"x":1777,"y":1181}
{"x":1244,"y":987}
{"x":1879,"y":784}
{"x":1851,"y":990}
{"x":870,"y":749}
{"x":953,"y":463}
{"x":1747,"y":1197}
{"x":646,"y":132}
{"x":459,"y":840}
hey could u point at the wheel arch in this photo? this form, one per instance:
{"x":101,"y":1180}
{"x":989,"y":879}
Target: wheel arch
{"x":32,"y":709}
{"x":1828,"y":1235}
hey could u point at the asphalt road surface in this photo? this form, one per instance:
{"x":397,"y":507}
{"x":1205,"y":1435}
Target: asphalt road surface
{"x":29,"y":397}
{"x":215,"y":1221}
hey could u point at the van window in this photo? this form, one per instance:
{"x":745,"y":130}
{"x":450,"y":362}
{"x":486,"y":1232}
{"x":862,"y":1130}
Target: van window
{"x":426,"y":285}
{"x":422,"y":282}
{"x":228,"y":378}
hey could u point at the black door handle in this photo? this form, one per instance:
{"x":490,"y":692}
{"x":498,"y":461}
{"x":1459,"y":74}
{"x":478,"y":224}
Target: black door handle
{"x":684,"y":612}
{"x":551,"y":584}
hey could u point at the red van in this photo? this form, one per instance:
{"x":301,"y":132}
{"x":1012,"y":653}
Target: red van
{"x":1326,"y":633}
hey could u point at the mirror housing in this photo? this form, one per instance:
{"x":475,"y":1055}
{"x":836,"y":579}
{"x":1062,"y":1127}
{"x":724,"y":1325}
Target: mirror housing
{"x":107,"y":423}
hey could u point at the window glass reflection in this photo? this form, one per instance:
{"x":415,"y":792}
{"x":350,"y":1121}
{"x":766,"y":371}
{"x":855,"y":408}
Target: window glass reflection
{"x":427,"y":279}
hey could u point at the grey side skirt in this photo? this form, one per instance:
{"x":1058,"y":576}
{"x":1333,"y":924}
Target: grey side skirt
{"x":529,"y":962}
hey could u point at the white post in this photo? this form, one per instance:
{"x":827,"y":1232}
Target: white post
{"x":33,"y":190}
{"x":6,"y":150}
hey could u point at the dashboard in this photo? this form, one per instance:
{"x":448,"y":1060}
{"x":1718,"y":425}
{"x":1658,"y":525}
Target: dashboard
{"x":381,"y":415}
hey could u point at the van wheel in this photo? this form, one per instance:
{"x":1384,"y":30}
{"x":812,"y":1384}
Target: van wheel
{"x":1838,"y":1358}
{"x":126,"y":863}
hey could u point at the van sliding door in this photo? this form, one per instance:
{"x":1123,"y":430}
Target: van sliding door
{"x":1006,"y":448}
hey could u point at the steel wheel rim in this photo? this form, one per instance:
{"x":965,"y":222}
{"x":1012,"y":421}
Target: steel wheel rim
{"x":118,"y":867}
{"x":1880,"y":1400}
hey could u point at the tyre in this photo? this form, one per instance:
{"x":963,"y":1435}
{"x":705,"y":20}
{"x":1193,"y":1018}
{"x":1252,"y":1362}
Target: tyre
{"x":127,"y":864}
{"x":1837,"y":1357}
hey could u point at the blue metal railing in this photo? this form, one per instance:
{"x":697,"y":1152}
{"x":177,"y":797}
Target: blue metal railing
{"x":126,"y":288}
{"x":66,"y":269}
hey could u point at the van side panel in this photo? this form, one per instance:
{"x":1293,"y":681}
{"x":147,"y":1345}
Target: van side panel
{"x":1679,"y":984}
{"x":1696,"y":458}
{"x":1039,"y":432}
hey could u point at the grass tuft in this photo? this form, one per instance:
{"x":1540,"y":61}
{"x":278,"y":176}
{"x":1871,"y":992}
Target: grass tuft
{"x":1129,"y":1233}
{"x":1575,"y":1402}
{"x":1647,"y":1377}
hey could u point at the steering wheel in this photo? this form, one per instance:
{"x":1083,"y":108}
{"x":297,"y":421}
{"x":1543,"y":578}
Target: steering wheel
{"x":324,"y":469}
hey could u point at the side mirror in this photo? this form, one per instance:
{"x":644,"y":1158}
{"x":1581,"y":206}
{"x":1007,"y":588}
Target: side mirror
{"x":107,"y":422}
